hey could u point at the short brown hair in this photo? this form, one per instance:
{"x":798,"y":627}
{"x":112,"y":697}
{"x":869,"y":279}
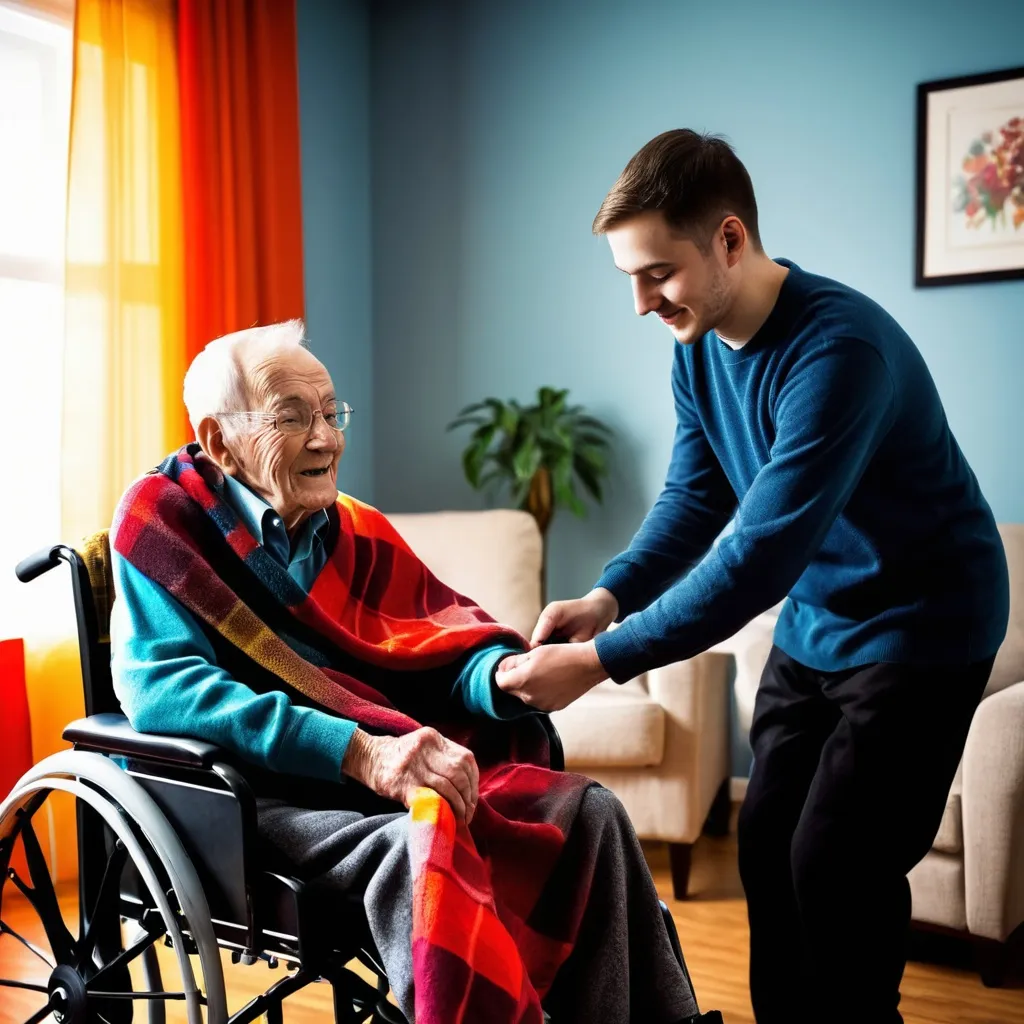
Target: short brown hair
{"x":694,"y":179}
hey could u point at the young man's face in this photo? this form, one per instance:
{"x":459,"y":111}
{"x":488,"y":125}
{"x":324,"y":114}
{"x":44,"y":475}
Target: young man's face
{"x":689,"y":290}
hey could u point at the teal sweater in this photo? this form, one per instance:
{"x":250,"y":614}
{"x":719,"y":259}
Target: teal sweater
{"x":813,"y":463}
{"x":167,"y":679}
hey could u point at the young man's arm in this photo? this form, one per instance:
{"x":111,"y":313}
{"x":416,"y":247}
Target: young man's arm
{"x":692,"y":509}
{"x":831,"y":414}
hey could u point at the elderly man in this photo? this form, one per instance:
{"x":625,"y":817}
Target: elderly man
{"x":260,"y":610}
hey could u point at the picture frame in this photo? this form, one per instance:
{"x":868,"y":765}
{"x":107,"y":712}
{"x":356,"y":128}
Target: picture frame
{"x":970,"y":179}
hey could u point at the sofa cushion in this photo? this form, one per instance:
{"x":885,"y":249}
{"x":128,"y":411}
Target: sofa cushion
{"x":950,"y":837}
{"x":612,"y":726}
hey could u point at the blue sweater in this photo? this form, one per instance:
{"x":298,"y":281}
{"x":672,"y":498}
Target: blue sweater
{"x":167,"y":678}
{"x":815,"y":462}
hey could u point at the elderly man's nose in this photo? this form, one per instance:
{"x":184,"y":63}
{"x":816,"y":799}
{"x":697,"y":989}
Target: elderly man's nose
{"x":321,"y":433}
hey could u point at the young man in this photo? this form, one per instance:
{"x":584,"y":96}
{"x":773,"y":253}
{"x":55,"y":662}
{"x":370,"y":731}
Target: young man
{"x":812,"y":460}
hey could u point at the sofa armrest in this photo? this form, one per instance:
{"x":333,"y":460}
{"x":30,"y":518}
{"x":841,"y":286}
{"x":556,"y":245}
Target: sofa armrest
{"x":993,"y":815}
{"x":694,"y":695}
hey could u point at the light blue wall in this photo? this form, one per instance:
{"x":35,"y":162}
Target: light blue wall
{"x":417,"y":254}
{"x":334,"y":97}
{"x":498,"y":127}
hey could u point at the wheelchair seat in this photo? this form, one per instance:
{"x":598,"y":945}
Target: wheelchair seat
{"x":167,"y":844}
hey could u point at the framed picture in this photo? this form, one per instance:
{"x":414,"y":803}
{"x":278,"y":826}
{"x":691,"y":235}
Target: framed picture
{"x":970,"y":179}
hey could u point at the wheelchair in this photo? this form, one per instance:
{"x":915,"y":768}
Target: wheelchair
{"x":168,"y":853}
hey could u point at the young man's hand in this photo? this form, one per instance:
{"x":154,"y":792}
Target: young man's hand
{"x":396,"y":766}
{"x":550,"y":678}
{"x":578,"y":620}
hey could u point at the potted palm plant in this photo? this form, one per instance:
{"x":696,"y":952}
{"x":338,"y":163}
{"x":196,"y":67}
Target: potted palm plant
{"x":539,"y":452}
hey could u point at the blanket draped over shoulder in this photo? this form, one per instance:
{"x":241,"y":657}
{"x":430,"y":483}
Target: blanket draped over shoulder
{"x":496,"y":906}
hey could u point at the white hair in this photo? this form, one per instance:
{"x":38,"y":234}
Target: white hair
{"x":215,"y":382}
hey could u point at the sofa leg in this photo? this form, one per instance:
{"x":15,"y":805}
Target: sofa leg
{"x":991,"y":958}
{"x":679,"y":857}
{"x":717,"y":822}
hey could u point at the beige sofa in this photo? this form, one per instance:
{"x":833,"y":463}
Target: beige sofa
{"x":972,"y":879}
{"x":659,"y":742}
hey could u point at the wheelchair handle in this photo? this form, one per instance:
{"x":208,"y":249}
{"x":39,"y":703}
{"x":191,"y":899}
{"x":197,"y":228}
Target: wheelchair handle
{"x":42,"y":561}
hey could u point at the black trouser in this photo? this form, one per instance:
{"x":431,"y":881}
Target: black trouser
{"x":850,"y":778}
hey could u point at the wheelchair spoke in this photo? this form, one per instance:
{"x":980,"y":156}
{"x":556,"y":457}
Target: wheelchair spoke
{"x":42,"y":896}
{"x":126,"y":956}
{"x":6,"y":929}
{"x":31,"y":986}
{"x":39,"y":1014}
{"x":139,"y":995}
{"x":106,"y":900}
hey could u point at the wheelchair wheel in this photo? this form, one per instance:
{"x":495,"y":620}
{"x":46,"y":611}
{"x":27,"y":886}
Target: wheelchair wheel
{"x":73,"y":951}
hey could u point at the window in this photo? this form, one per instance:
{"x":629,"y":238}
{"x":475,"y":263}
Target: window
{"x":35,"y":104}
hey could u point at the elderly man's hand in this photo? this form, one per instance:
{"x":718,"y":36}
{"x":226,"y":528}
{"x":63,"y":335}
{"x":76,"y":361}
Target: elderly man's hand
{"x":550,"y":678}
{"x":396,"y":766}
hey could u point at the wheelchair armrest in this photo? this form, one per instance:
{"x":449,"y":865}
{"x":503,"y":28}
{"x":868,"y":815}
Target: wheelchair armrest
{"x":110,"y":733}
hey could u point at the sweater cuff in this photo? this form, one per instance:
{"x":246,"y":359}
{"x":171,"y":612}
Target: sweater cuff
{"x":315,"y":745}
{"x":616,"y":579}
{"x":622,"y":653}
{"x":481,"y":695}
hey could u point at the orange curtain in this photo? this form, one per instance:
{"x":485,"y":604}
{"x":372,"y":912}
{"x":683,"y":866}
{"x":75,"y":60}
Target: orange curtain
{"x":240,"y":161}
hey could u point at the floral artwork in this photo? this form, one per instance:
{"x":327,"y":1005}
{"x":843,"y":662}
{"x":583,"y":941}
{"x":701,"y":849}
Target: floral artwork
{"x":970,"y":203}
{"x":991,"y":189}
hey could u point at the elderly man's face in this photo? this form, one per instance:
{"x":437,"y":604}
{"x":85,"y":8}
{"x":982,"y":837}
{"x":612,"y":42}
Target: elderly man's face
{"x":295,"y":473}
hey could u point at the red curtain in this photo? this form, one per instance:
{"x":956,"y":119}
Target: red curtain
{"x":15,"y":727}
{"x":242,"y":195}
{"x":15,"y":734}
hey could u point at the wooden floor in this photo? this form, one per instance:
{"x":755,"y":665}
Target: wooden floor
{"x":712,"y":928}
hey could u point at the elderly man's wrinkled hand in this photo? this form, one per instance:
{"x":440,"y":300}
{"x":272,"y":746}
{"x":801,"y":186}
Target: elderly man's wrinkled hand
{"x":551,"y":678}
{"x":396,"y":766}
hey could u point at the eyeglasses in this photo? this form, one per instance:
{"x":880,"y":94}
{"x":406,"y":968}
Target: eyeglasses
{"x":297,"y":417}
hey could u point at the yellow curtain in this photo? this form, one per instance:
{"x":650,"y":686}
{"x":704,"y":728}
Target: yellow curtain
{"x":124,"y":348}
{"x":124,"y":361}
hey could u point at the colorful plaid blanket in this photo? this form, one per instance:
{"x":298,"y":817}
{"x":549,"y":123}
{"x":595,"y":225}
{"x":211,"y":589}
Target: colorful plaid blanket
{"x":497,"y":906}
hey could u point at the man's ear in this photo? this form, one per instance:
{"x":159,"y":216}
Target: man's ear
{"x":734,"y":238}
{"x":211,"y":438}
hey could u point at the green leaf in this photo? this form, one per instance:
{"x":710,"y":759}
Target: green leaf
{"x":474,"y":408}
{"x":561,"y":479}
{"x":589,"y":478}
{"x":463,"y":421}
{"x":589,"y":423}
{"x":593,"y":457}
{"x":526,"y":460}
{"x":508,"y":421}
{"x":484,"y":434}
{"x":473,"y":459}
{"x":593,"y":441}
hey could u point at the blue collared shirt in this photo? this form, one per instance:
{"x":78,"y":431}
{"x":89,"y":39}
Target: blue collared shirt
{"x":167,"y":678}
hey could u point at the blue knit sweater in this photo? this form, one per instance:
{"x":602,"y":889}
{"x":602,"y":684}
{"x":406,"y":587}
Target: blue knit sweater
{"x":814,"y":462}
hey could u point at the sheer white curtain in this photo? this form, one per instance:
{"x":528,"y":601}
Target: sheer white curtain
{"x":35,"y":101}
